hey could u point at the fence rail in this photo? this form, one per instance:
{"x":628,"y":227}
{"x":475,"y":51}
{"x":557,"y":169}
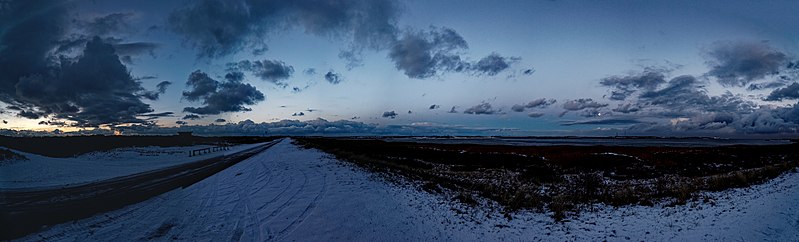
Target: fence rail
{"x":208,"y":150}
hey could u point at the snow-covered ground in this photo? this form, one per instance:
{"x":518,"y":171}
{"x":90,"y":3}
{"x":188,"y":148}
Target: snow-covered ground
{"x":288,"y":193}
{"x":45,"y":172}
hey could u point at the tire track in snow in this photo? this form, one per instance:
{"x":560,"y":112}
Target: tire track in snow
{"x":306,"y":212}
{"x":289,"y":202}
{"x":247,"y":217}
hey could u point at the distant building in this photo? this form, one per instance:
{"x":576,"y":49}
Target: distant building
{"x":185,"y":134}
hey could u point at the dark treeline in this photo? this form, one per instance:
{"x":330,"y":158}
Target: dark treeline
{"x":76,"y":145}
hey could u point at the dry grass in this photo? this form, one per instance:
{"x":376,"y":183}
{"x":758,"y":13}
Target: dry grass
{"x":564,"y":180}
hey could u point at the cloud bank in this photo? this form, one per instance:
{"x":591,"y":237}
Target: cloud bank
{"x":229,"y":95}
{"x":740,"y":63}
{"x":219,"y":28}
{"x":482,"y":108}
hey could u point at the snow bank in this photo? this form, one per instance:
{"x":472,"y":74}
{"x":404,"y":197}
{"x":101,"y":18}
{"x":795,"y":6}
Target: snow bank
{"x":287,"y":193}
{"x":44,"y":172}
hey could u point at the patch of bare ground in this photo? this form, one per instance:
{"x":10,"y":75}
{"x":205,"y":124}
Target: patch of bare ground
{"x":565,"y":180}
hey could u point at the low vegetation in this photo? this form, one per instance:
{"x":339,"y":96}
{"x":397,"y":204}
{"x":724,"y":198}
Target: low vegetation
{"x":564,"y":180}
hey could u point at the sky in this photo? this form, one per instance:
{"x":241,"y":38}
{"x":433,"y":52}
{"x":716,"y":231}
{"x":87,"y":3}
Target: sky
{"x":405,"y":67}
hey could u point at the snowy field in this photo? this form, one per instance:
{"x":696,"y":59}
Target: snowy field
{"x":46,"y":172}
{"x":288,"y":193}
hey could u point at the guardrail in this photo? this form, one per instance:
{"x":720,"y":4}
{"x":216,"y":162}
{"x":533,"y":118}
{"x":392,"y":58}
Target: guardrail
{"x":208,"y":150}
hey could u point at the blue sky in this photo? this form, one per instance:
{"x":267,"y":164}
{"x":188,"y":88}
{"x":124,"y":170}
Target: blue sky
{"x":480,"y":58}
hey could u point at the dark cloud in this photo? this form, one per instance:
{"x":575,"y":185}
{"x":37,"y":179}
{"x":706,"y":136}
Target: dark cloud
{"x":786,"y":93}
{"x":789,"y":114}
{"x":482,"y":108}
{"x":309,"y":71}
{"x":95,"y":89}
{"x":538,"y":103}
{"x":180,"y":122}
{"x":146,"y":78}
{"x":739,"y":63}
{"x":53,"y":123}
{"x":218,"y":28}
{"x":25,"y":52}
{"x":352,"y":57}
{"x":434,"y":106}
{"x":201,"y":85}
{"x":624,"y":86}
{"x":782,"y":120}
{"x":158,"y":115}
{"x":150,"y":95}
{"x":154,"y":95}
{"x":591,"y":113}
{"x":680,"y":95}
{"x":136,"y":48}
{"x":762,"y":121}
{"x":218,"y":97}
{"x":298,"y":89}
{"x":766,"y":85}
{"x":30,"y":114}
{"x":684,"y":97}
{"x":125,"y":50}
{"x":108,"y":24}
{"x":492,"y":64}
{"x":89,"y":86}
{"x":220,"y":120}
{"x":582,"y":103}
{"x":192,"y":117}
{"x":389,"y":114}
{"x":679,"y":91}
{"x":682,"y":105}
{"x":535,"y":114}
{"x":686,"y":94}
{"x":298,"y":114}
{"x":109,"y":28}
{"x":422,"y":54}
{"x":268,"y":70}
{"x":222,"y":27}
{"x":529,"y":71}
{"x":627,"y":108}
{"x":452,"y":110}
{"x":162,"y":86}
{"x":332,"y":77}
